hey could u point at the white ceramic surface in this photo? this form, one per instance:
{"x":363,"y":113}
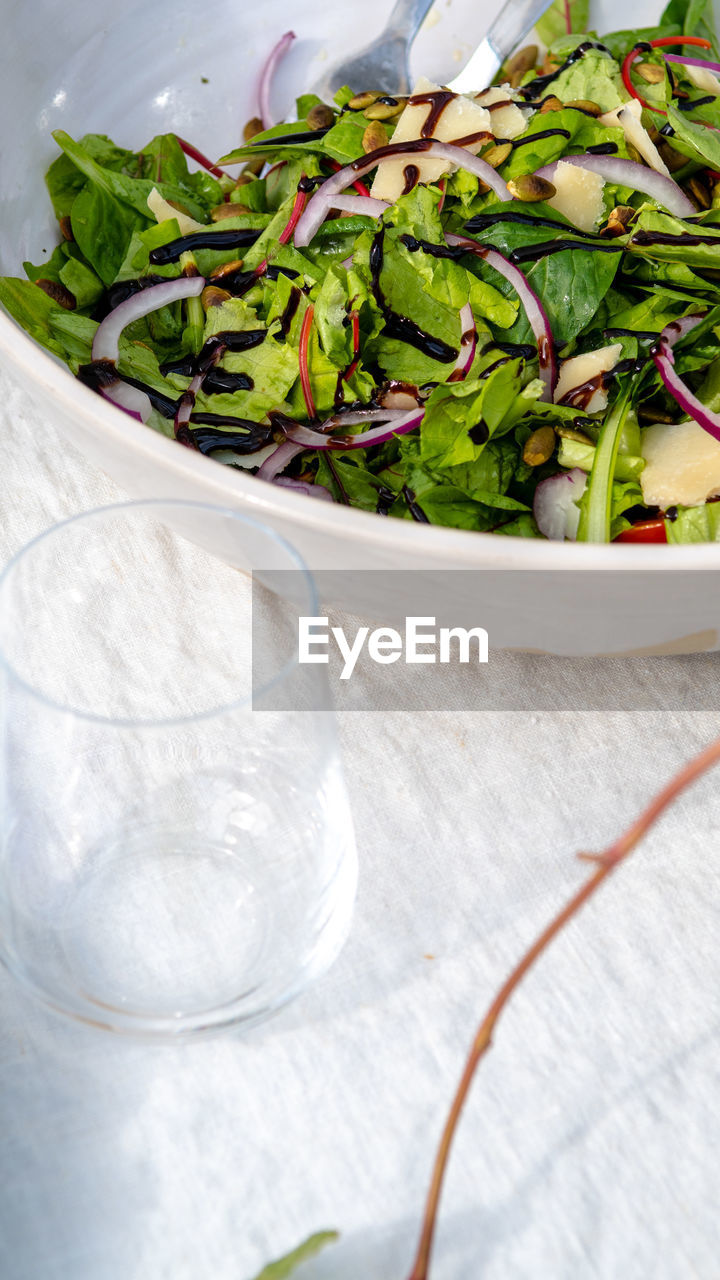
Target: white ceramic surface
{"x":134,"y":70}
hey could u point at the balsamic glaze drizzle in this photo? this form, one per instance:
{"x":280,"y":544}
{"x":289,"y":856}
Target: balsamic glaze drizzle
{"x":247,"y":438}
{"x":648,"y":238}
{"x":237,"y":238}
{"x":483,"y":221}
{"x":543,"y":133}
{"x":540,"y":83}
{"x":413,"y":507}
{"x":533,"y":252}
{"x":691,"y":104}
{"x":402,"y":327}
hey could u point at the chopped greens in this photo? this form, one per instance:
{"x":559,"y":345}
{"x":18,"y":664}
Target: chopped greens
{"x":585,"y":312}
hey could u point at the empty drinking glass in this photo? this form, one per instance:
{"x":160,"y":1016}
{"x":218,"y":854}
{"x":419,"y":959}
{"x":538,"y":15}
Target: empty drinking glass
{"x":175,"y":854}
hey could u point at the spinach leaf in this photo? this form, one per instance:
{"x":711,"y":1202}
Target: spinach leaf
{"x":553,"y":23}
{"x":694,"y":139}
{"x":583,"y":130}
{"x":103,"y":227}
{"x":32,"y":309}
{"x":126,"y":190}
{"x":571,"y":284}
{"x":85,"y":286}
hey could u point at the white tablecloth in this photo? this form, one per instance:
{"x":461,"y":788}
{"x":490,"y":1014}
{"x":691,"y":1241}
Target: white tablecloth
{"x":590,"y":1143}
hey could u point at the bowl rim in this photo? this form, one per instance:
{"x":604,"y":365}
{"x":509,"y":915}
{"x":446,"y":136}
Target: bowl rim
{"x":465,"y":549}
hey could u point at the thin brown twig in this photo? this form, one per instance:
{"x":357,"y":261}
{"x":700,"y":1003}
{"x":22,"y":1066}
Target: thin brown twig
{"x":606,"y":862}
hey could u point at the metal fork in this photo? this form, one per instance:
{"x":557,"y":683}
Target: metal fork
{"x":383,"y":64}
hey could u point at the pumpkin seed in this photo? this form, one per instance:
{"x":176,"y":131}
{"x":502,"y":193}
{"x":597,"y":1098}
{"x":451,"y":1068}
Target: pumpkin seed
{"x":320,"y":116}
{"x":529,"y":187}
{"x":211,"y":296}
{"x":496,"y":156}
{"x":539,"y":447}
{"x":551,"y":104}
{"x":252,"y":128}
{"x":650,"y":72}
{"x":523,"y":61}
{"x":585,"y":104}
{"x":363,"y":100}
{"x":222,"y":211}
{"x":385,"y":110}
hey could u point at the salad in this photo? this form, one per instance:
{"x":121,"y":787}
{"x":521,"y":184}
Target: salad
{"x":498,"y":312}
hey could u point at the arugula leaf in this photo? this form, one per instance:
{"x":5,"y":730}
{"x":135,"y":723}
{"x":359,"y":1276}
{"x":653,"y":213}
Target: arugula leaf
{"x":285,"y":1266}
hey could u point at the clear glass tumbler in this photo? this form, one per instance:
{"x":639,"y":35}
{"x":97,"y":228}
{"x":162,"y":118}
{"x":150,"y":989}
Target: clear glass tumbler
{"x":174,"y":856}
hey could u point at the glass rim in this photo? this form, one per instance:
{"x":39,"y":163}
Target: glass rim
{"x":134,"y":504}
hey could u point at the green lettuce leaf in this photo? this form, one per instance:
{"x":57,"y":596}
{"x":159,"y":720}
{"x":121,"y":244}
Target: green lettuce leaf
{"x":695,"y":524}
{"x":595,"y":77}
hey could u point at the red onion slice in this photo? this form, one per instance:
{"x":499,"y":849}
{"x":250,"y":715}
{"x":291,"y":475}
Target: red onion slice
{"x":664,"y":363}
{"x":366,"y":205}
{"x":532,"y":305}
{"x":628,"y":173}
{"x":301,"y":486}
{"x":279,"y":460}
{"x":468,"y":345}
{"x":107,"y":335}
{"x":324,"y":198}
{"x":693,"y":62}
{"x":275,"y":57}
{"x":396,"y":424}
{"x":554,"y":507}
{"x":134,"y":401}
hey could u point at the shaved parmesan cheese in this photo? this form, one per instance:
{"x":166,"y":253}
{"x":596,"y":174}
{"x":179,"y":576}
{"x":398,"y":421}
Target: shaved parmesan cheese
{"x":627,"y":117}
{"x":580,"y":370}
{"x":161,"y":210}
{"x":578,"y":195}
{"x":703,"y":79}
{"x":507,"y":121}
{"x":682,"y":465}
{"x":459,"y":119}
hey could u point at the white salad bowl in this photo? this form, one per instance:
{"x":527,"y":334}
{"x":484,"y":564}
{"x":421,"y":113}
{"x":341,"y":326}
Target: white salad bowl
{"x":135,"y":70}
